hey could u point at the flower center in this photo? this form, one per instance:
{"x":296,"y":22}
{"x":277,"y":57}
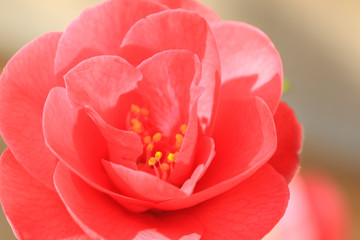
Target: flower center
{"x":159,"y":151}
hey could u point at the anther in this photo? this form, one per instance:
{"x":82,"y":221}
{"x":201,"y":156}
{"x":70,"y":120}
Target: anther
{"x":147,"y":139}
{"x":149,"y":147}
{"x":137,"y":126}
{"x":153,"y":144}
{"x":144,"y":111}
{"x":171,"y":158}
{"x":157,"y":137}
{"x":183,"y":128}
{"x":135,"y":109}
{"x":152,"y":161}
{"x":179,"y":140}
{"x":158,"y":156}
{"x":164,"y":167}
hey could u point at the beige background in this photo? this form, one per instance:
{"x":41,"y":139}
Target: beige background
{"x":318,"y":42}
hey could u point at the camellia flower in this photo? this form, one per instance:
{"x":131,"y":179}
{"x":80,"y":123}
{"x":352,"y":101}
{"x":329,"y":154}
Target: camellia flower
{"x":147,"y":120}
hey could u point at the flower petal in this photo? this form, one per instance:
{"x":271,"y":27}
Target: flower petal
{"x":244,"y":142}
{"x":204,"y":156}
{"x":185,"y":160}
{"x":289,"y":135}
{"x":88,"y":207}
{"x":169,"y":84}
{"x":22,"y":195}
{"x":99,"y":31}
{"x":248,"y":211}
{"x":178,"y":29}
{"x":193,"y":5}
{"x":140,"y":184}
{"x":168,"y":77}
{"x":123,"y":146}
{"x":246,"y":51}
{"x":245,"y":139}
{"x":78,"y":143}
{"x":242,"y":87}
{"x":73,"y":137}
{"x":97,"y":85}
{"x":24,"y":85}
{"x":98,"y":82}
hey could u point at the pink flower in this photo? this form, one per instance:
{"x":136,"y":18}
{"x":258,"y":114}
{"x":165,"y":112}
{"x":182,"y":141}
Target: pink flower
{"x":148,"y":120}
{"x":316,"y":211}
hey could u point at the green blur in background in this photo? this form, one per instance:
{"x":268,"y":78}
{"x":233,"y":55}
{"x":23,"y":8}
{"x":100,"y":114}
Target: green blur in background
{"x":319,"y":42}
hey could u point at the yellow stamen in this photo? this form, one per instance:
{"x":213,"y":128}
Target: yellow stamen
{"x":147,"y":139}
{"x":152,"y":161}
{"x":183,"y":128}
{"x":164,"y":167}
{"x":135,"y":121}
{"x":150,"y":147}
{"x":135,"y":109}
{"x":171,"y":158}
{"x":157,"y":137}
{"x":158,"y":156}
{"x":144,"y":111}
{"x":137,"y":126}
{"x":179,"y":140}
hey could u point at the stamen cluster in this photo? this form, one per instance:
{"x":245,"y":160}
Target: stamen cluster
{"x":159,"y":152}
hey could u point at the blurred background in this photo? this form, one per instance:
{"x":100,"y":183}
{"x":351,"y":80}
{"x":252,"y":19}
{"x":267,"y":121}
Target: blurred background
{"x":319,"y":42}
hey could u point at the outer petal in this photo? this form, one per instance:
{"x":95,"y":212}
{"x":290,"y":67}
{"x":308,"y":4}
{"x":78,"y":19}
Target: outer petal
{"x":77,"y":142}
{"x":289,"y":135}
{"x":178,"y":29}
{"x":243,"y":87}
{"x":34,"y":211}
{"x":245,"y":139}
{"x":24,"y":85}
{"x":99,"y":30}
{"x":248,"y":211}
{"x":193,"y":5}
{"x":88,"y":207}
{"x":246,"y":51}
{"x":73,"y":137}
